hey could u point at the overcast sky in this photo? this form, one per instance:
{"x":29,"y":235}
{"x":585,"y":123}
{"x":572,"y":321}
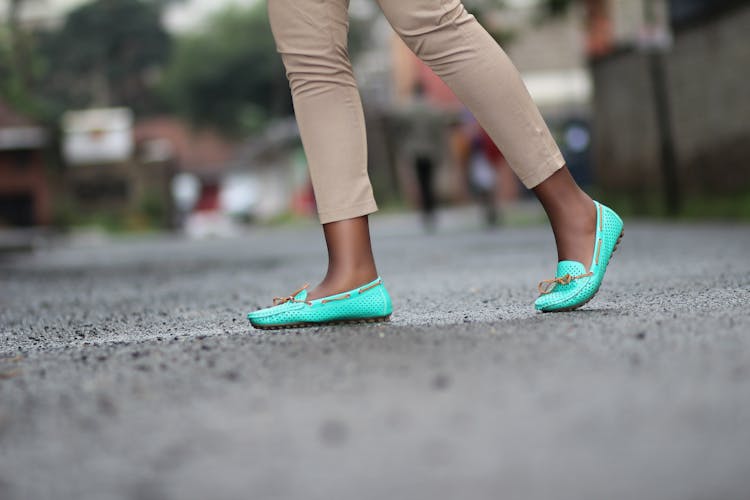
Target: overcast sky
{"x":189,"y":14}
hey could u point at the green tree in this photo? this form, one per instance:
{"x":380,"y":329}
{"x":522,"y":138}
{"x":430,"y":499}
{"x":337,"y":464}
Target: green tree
{"x":229,"y":74}
{"x":106,"y":53}
{"x":20,"y":64}
{"x":554,"y":7}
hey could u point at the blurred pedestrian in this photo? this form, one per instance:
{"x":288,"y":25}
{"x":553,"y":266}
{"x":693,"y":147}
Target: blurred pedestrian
{"x":480,"y":164}
{"x":422,"y":141}
{"x":311,"y":37}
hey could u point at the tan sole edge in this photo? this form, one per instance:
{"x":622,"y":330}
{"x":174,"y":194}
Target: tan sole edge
{"x":568,"y":309}
{"x":379,"y":319}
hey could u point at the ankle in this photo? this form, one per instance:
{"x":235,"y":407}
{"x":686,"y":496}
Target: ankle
{"x":351,"y":276}
{"x":575,"y":201}
{"x":576,"y":212}
{"x":341,"y":280}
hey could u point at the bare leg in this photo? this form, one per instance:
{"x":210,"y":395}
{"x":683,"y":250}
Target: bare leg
{"x":572,"y":215}
{"x":570,"y":210}
{"x":311,"y":37}
{"x":350,"y":259}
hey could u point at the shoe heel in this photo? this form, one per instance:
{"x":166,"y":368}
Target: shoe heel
{"x":619,"y":240}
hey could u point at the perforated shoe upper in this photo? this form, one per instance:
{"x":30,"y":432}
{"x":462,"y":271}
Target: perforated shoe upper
{"x":573,"y":284}
{"x":370,"y":300}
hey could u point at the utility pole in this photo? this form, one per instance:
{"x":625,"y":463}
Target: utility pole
{"x":656,"y":42}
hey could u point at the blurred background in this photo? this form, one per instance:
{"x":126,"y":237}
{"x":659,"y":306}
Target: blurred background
{"x":135,"y":115}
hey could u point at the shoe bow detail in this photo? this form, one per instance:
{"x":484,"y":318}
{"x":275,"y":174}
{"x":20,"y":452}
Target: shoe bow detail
{"x":292,"y":297}
{"x":547,"y":286}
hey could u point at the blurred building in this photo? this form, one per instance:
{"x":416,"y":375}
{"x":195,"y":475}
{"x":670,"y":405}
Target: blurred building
{"x":202,"y":153}
{"x":25,"y":190}
{"x":674,"y":77}
{"x":269,"y":176}
{"x":109,"y":175}
{"x":220,"y":182}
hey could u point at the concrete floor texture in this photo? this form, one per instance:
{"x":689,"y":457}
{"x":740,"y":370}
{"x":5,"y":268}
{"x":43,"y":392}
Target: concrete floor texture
{"x":128,"y":371}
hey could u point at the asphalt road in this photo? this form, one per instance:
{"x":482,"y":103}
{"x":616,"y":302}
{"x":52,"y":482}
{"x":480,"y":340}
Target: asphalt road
{"x":128,"y":371}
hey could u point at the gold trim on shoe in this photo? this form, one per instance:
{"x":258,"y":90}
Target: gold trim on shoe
{"x":546,"y":286}
{"x":282,"y":300}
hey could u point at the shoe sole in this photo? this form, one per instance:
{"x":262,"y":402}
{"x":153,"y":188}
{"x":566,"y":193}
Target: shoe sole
{"x":308,"y":324}
{"x":573,"y":308}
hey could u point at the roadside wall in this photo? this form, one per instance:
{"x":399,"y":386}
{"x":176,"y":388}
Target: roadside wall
{"x":708,"y":77}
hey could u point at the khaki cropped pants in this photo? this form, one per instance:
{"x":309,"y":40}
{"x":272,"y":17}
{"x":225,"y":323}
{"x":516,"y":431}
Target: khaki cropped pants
{"x":311,"y":37}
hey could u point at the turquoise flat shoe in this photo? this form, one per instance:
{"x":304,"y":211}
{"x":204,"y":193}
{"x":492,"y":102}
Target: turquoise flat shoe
{"x":573,"y":285}
{"x":367,"y":303}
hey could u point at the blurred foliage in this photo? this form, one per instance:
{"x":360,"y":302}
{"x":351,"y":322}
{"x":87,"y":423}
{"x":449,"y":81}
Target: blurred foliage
{"x":105,"y":53}
{"x":480,"y":9}
{"x":117,"y":53}
{"x":20,"y":64}
{"x":545,"y":9}
{"x":556,"y":7}
{"x":229,"y":74}
{"x":150,"y":213}
{"x":153,"y":207}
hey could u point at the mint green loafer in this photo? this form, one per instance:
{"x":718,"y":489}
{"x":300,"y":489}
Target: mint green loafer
{"x":367,"y":303}
{"x":573,"y":285}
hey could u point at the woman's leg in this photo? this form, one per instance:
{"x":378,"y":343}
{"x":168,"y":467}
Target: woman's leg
{"x":572,"y":216}
{"x":459,"y":50}
{"x":311,"y":37}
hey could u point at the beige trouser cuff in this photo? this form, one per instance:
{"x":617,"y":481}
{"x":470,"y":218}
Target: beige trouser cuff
{"x":535,"y":177}
{"x":349,"y":212}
